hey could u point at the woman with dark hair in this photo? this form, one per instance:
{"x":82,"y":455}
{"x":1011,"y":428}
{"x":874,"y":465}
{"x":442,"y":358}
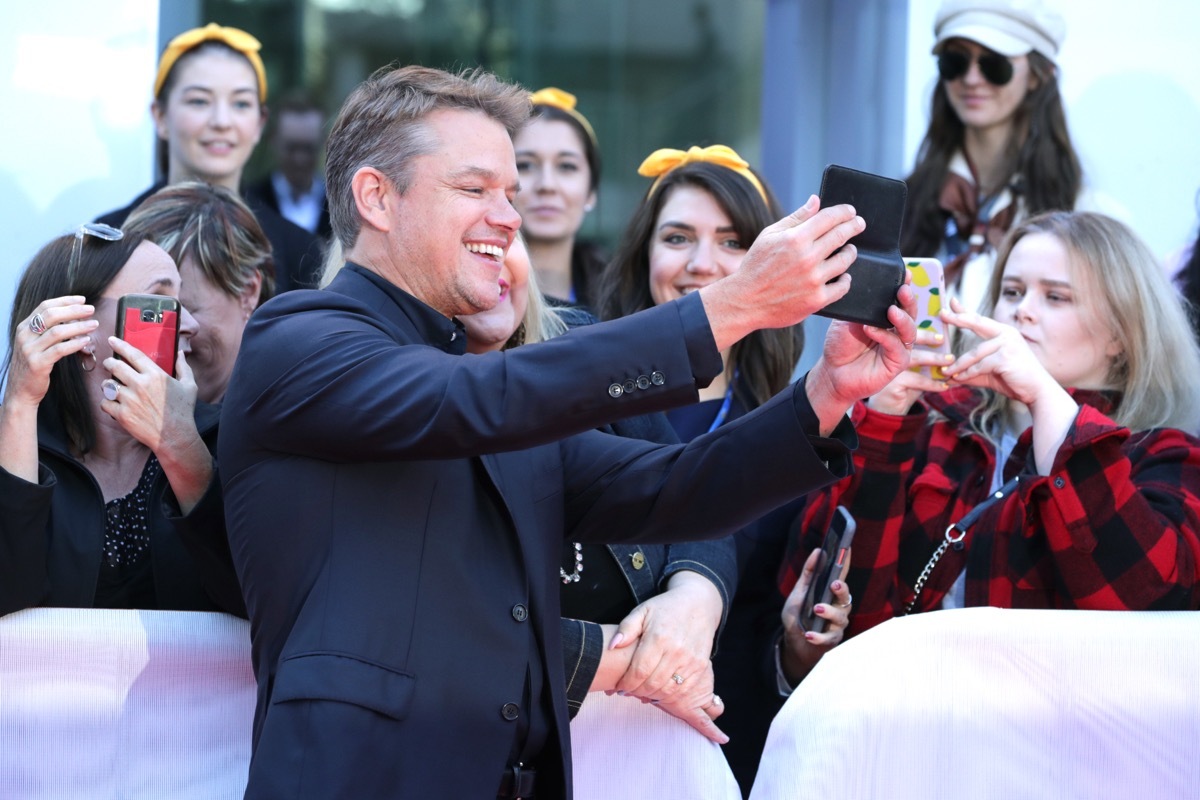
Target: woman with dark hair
{"x":558,"y":159}
{"x":225,"y":264}
{"x":209,"y":111}
{"x":108,"y":492}
{"x":648,"y":610}
{"x":703,"y":211}
{"x":997,"y":148}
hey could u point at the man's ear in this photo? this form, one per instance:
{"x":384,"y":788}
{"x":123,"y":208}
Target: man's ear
{"x":373,"y":195}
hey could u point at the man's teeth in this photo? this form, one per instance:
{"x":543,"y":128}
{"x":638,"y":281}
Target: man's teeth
{"x":486,"y":249}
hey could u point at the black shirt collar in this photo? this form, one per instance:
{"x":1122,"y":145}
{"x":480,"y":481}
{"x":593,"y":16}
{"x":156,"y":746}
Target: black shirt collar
{"x":448,"y":335}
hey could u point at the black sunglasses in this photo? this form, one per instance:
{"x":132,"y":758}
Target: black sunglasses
{"x":995,"y":68}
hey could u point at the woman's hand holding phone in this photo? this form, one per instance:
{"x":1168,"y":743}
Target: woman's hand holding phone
{"x":931,"y":352}
{"x":817,"y":610}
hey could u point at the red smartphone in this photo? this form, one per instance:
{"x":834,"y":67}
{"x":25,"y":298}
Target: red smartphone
{"x":150,"y":322}
{"x":830,"y":561}
{"x":929,"y":284}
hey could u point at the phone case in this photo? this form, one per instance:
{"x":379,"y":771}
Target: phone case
{"x":829,"y":565}
{"x":150,"y":322}
{"x":929,"y":284}
{"x":878,"y":272}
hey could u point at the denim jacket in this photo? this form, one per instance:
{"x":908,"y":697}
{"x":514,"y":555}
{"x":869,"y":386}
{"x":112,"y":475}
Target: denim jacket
{"x":647,"y":576}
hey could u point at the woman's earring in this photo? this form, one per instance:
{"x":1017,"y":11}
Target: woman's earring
{"x":588,"y":207}
{"x":84,"y":364}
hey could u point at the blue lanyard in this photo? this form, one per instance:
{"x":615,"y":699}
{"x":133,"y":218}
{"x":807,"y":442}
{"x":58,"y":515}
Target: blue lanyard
{"x":723,"y":411}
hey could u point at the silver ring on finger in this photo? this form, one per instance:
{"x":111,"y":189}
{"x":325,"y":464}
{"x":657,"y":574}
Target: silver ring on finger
{"x":848,"y":603}
{"x":109,"y":389}
{"x":716,"y":701}
{"x":37,"y":324}
{"x":677,"y":678}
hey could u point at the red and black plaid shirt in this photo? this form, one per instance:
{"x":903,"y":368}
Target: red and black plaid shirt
{"x":1115,"y":525}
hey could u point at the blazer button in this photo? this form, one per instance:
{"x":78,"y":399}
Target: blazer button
{"x":657,"y":378}
{"x":643,"y":382}
{"x":615,"y":390}
{"x":630,"y":385}
{"x":510,"y":711}
{"x":638,"y":560}
{"x":520,"y":612}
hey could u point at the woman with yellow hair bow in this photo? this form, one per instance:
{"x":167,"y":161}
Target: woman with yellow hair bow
{"x":558,"y":159}
{"x":209,"y":110}
{"x":704,"y":209}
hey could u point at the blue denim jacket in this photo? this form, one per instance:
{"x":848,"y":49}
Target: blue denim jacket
{"x":715,"y":559}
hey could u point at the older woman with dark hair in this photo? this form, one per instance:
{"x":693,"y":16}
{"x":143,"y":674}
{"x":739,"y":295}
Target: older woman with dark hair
{"x":225,"y":264}
{"x":108,"y":492}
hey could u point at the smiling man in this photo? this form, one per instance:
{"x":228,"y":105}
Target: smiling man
{"x":397,"y":507}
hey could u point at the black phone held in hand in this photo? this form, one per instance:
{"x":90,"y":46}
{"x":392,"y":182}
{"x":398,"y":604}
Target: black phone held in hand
{"x":878,"y":271}
{"x":150,"y":322}
{"x":830,"y":561}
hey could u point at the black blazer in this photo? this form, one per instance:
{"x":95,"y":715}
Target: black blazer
{"x":396,"y":514}
{"x":263,"y":191}
{"x":299,"y":255}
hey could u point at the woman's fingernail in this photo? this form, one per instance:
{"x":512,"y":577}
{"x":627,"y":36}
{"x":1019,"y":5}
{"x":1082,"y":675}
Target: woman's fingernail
{"x":616,"y":640}
{"x":819,"y":608}
{"x":836,"y":586}
{"x":809,"y":636}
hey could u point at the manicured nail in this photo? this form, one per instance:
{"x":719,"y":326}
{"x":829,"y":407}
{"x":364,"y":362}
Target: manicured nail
{"x":809,"y":636}
{"x":616,"y":640}
{"x":836,"y":586}
{"x":819,"y":608}
{"x":812,"y":202}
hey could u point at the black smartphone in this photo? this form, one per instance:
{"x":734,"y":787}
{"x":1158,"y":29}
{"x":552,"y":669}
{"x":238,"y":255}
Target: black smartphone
{"x":878,"y":271}
{"x":830,"y":560}
{"x":150,"y":322}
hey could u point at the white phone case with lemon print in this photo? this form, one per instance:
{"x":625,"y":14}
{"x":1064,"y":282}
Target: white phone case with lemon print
{"x":930,"y":285}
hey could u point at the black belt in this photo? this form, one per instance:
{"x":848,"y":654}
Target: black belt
{"x":517,"y":783}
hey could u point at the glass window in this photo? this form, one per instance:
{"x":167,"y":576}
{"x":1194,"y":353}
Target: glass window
{"x":671,"y":73}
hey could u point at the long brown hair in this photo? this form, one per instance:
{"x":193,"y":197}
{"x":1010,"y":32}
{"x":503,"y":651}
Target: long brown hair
{"x":1040,"y":155}
{"x":100,"y":262}
{"x":765,"y":359}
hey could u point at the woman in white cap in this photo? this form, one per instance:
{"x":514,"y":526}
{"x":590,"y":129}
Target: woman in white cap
{"x":997,"y":149}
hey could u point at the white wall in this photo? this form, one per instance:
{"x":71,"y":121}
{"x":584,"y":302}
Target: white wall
{"x":75,"y":84}
{"x":1130,"y":76}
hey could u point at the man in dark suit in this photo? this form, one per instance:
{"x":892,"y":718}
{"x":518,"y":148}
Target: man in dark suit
{"x":294,"y":189}
{"x":397,"y":509}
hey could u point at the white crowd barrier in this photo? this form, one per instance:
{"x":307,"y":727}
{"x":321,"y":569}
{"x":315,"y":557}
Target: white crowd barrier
{"x":992,"y":703}
{"x":101,"y":705}
{"x":158,"y":705}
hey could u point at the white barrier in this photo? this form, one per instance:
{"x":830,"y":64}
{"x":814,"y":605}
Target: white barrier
{"x":991,"y":703}
{"x":100,"y":705}
{"x":158,"y":705}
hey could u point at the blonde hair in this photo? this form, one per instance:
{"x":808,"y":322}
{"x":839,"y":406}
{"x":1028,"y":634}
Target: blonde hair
{"x":1158,"y":370}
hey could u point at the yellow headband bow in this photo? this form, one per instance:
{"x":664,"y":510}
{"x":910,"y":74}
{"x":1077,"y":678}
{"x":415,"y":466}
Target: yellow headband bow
{"x":234,"y":38}
{"x":661,"y":162}
{"x":563,"y":101}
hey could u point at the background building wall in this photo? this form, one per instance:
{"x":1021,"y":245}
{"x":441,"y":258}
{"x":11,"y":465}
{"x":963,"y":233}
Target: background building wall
{"x":843,"y":81}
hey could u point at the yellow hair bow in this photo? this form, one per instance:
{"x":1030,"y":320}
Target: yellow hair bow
{"x":234,"y":38}
{"x":661,"y":162}
{"x":565,"y":102}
